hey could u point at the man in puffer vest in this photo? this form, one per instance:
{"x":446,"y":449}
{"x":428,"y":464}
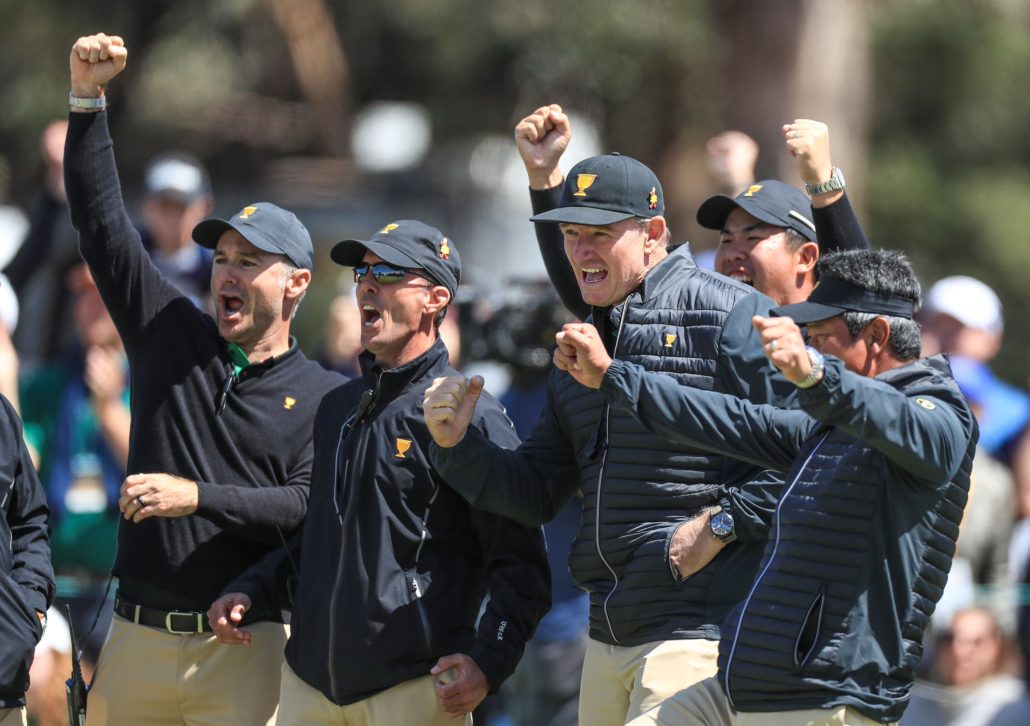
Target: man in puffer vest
{"x":877,"y":466}
{"x":671,"y":535}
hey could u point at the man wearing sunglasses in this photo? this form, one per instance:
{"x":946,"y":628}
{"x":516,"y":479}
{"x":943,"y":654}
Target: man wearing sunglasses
{"x":222,"y":414}
{"x":393,"y":565}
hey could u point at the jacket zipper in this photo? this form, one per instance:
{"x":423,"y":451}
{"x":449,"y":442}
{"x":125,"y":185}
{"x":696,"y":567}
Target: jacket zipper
{"x":600,"y":481}
{"x":416,"y":591}
{"x":365,"y":404}
{"x":758,"y":580}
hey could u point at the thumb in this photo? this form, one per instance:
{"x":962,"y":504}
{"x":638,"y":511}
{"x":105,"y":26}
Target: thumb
{"x":472,"y":394}
{"x":446,"y":662}
{"x":237,"y":611}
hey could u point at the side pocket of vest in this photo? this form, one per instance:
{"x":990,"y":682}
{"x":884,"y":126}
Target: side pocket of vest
{"x":808,"y":635}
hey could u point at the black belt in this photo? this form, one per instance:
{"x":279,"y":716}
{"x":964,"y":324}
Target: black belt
{"x":177,"y":622}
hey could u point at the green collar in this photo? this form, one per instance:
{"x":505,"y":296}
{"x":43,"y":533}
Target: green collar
{"x":237,"y":357}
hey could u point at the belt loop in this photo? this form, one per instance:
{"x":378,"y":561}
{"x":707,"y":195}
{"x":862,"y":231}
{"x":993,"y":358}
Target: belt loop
{"x":200,"y":623}
{"x":135,"y":614}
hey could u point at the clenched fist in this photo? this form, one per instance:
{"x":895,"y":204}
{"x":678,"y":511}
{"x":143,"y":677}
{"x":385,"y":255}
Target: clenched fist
{"x":95,"y":60}
{"x":809,"y":143}
{"x":542,"y":138}
{"x":448,"y":407}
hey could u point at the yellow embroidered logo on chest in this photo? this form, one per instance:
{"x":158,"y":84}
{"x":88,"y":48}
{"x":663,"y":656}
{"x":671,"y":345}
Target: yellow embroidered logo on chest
{"x":289,"y":402}
{"x":928,"y":405}
{"x":402,"y":447}
{"x":669,"y":339}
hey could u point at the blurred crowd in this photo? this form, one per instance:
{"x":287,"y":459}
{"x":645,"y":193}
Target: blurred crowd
{"x":63,"y":366}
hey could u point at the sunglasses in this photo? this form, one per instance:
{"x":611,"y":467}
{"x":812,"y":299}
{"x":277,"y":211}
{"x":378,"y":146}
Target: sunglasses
{"x":383,"y":273}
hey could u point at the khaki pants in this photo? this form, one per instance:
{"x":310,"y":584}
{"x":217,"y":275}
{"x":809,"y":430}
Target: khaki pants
{"x":13,"y":717}
{"x":150,"y":676}
{"x":620,"y":683}
{"x":705,"y":704}
{"x":412,"y":703}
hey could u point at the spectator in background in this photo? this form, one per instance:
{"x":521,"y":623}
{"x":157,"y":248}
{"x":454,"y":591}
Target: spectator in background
{"x":731,"y":157}
{"x":970,"y":666}
{"x":177,"y":198}
{"x":338,"y":351}
{"x":49,"y":251}
{"x":76,"y":413}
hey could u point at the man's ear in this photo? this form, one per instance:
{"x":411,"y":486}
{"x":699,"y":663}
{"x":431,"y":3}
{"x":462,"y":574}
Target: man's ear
{"x":877,"y":333}
{"x":439,"y":298}
{"x":655,"y":228}
{"x":807,"y":256}
{"x":297,"y":284}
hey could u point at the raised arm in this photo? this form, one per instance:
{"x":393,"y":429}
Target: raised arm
{"x":836,"y":225}
{"x":131,"y":286}
{"x":542,"y":138}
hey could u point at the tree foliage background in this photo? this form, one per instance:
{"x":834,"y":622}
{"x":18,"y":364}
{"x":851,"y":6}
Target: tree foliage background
{"x":266,"y":91}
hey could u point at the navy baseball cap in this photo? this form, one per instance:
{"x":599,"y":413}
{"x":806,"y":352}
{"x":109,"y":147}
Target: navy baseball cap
{"x":177,"y":175}
{"x":832,"y":296}
{"x":267,"y":227}
{"x":410,"y":244}
{"x":607,"y":189}
{"x":770,"y":201}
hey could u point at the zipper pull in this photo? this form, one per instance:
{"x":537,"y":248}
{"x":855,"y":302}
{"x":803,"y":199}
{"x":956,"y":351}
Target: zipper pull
{"x":415,"y":588}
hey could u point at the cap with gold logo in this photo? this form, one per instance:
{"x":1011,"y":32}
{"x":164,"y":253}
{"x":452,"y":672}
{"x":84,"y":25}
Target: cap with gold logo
{"x":769,"y":201}
{"x":409,"y":244}
{"x":267,"y":227}
{"x":607,"y":189}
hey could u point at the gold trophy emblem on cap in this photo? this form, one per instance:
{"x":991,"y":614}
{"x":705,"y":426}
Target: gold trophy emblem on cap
{"x":247,"y":211}
{"x":583,"y":182}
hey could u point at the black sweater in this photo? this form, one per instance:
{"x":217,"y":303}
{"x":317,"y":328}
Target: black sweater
{"x":252,"y":461}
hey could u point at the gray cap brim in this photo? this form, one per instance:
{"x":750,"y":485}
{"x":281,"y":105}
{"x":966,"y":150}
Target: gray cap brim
{"x":582,"y":215}
{"x":350,"y":251}
{"x":208,"y":232}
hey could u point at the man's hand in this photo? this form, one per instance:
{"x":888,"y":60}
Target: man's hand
{"x":448,"y":407}
{"x":157,"y":495}
{"x":731,"y":161}
{"x":693,"y":546}
{"x":542,"y":138}
{"x":51,"y":150}
{"x":460,"y":685}
{"x":784,"y":346}
{"x":95,"y":60}
{"x":225,"y":615}
{"x":809,"y":143}
{"x":581,"y":354}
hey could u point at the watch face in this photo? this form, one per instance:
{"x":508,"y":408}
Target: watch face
{"x":721,"y":524}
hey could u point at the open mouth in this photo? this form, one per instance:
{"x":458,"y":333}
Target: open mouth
{"x":741,"y":276}
{"x":369,"y":316}
{"x":230,"y":306}
{"x":592,"y":275}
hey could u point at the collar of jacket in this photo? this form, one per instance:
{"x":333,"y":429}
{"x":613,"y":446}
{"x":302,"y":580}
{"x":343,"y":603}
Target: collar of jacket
{"x":676,"y":264}
{"x":386,"y":381}
{"x":935,"y":365}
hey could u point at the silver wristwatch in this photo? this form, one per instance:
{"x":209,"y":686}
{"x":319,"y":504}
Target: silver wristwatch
{"x":835,"y":182}
{"x":818,"y":366}
{"x":721,"y":524}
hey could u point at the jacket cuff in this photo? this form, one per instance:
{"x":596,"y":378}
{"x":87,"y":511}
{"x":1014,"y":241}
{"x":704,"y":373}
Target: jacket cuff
{"x":544,"y":200}
{"x":494,"y":665}
{"x":453,"y":459}
{"x":211,"y":498}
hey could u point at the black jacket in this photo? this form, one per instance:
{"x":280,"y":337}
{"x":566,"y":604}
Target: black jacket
{"x":694,"y":326}
{"x":26,"y":576}
{"x":394,"y":566}
{"x":877,"y":475}
{"x":252,"y":459}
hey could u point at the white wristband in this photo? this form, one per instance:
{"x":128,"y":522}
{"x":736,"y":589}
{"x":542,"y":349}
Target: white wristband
{"x":87,"y":104}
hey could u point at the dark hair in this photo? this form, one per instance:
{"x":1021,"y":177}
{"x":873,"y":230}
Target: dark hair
{"x":886,"y":272}
{"x":794,"y":239}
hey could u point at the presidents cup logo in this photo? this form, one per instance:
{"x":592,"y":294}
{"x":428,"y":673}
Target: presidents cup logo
{"x":669,"y":339}
{"x":247,"y":211}
{"x":752,"y":190}
{"x":388,"y":228}
{"x":289,"y":402}
{"x":583,"y":182}
{"x":402,"y":447}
